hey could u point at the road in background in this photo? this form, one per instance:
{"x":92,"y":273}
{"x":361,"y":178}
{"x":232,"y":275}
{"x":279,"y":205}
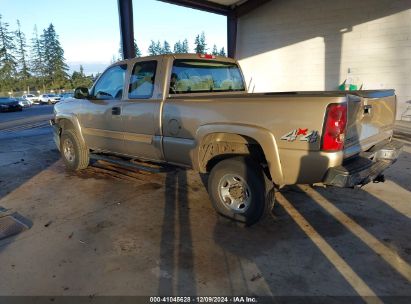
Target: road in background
{"x":34,"y":116}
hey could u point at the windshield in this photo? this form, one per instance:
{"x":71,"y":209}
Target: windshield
{"x":195,"y":76}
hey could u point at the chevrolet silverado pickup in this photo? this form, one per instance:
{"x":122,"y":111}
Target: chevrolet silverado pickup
{"x":194,"y":111}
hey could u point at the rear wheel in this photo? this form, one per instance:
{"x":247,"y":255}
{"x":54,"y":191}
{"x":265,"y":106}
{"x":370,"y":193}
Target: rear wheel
{"x":74,"y":153}
{"x":239,"y":190}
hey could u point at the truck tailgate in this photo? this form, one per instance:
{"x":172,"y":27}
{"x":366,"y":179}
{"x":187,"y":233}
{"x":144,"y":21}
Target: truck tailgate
{"x":371,"y":117}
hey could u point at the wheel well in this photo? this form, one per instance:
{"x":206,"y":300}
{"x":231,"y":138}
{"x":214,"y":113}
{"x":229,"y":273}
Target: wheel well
{"x":66,"y":124}
{"x":219,"y":146}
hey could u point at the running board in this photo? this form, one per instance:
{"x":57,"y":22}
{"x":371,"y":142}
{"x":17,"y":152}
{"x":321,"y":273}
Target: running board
{"x":131,"y":164}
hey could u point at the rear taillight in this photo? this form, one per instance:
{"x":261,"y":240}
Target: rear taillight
{"x":334,"y":128}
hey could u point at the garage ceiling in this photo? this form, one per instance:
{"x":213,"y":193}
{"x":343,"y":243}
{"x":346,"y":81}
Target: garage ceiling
{"x":226,"y":2}
{"x":222,"y":7}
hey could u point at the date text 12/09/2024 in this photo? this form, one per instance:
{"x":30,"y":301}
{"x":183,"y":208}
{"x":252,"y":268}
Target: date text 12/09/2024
{"x":198,"y":299}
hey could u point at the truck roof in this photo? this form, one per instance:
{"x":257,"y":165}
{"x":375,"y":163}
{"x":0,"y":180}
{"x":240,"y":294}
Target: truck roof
{"x":177,"y":56}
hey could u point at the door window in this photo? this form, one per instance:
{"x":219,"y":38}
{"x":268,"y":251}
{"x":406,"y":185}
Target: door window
{"x":110,"y":84}
{"x":142,"y":80}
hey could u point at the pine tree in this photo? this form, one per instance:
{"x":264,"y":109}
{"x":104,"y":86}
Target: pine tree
{"x":79,"y":79}
{"x":120,"y":51}
{"x":203,"y":42}
{"x":8,"y":62}
{"x":23,"y":69}
{"x":152,"y":49}
{"x":215,"y":51}
{"x":184,"y":46}
{"x":54,"y":61}
{"x":177,"y":47}
{"x":166,"y":48}
{"x":197,"y":44}
{"x":200,"y":44}
{"x":222,"y":52}
{"x":137,"y":49}
{"x":155,"y":48}
{"x":158,"y":48}
{"x":36,"y":60}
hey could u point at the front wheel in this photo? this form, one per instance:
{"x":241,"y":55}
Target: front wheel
{"x":74,"y":153}
{"x":239,"y":190}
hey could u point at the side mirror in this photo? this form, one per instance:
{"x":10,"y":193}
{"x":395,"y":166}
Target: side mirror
{"x":81,"y":93}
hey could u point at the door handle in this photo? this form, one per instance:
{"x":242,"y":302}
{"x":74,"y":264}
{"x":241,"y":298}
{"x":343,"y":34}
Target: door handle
{"x":116,"y":111}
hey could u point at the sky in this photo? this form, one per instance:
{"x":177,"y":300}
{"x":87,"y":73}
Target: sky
{"x":89,"y":29}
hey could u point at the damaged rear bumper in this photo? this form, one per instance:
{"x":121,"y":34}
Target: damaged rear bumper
{"x":364,"y":169}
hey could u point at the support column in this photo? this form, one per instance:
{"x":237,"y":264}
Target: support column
{"x":231,"y":34}
{"x":125,"y":13}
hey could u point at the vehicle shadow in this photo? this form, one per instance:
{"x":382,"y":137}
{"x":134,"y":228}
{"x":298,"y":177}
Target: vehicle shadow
{"x":350,"y":221}
{"x":177,"y":275}
{"x":309,"y":248}
{"x":277,"y":255}
{"x":401,"y":177}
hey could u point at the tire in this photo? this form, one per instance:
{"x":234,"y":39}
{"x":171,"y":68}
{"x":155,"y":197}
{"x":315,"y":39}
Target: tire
{"x":49,"y":102}
{"x":249,"y":195}
{"x":78,"y":156}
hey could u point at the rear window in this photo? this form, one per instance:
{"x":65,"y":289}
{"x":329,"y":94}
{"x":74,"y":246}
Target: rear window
{"x":196,"y":76}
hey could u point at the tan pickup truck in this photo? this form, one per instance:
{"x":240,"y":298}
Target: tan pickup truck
{"x":194,"y":111}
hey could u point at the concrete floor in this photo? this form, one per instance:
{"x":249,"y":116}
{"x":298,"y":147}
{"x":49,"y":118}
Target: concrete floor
{"x":148,"y":234}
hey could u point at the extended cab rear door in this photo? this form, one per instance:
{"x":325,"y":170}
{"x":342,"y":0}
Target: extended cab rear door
{"x":141,"y":110}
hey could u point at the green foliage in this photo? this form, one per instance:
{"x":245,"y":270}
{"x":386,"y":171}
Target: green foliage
{"x":177,"y":47}
{"x":181,"y":47}
{"x":222,"y":52}
{"x":215,"y":51}
{"x":184,"y":47}
{"x":166,"y":48}
{"x":55,"y":67}
{"x":120,"y":52}
{"x":21,"y":55}
{"x":37,"y":65}
{"x":136,"y":48}
{"x":155,"y":48}
{"x":79,"y":79}
{"x":8,"y":62}
{"x":200,"y":44}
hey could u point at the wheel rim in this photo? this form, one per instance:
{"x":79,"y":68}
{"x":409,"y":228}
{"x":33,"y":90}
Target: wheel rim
{"x":235,"y":193}
{"x":68,"y":150}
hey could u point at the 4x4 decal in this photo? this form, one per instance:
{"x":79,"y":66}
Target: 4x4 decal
{"x":302,"y":135}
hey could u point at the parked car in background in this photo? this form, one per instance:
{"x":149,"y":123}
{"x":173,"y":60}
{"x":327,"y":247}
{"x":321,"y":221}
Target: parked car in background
{"x":8,"y":104}
{"x":49,"y":98}
{"x":30,"y":97}
{"x":24,"y":102}
{"x":67,"y":95}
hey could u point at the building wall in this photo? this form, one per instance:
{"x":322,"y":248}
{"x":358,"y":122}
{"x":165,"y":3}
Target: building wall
{"x":288,"y":45}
